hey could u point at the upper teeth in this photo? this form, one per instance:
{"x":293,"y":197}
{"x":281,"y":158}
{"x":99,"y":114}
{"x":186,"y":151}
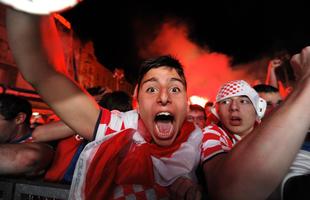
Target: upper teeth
{"x":163,"y":113}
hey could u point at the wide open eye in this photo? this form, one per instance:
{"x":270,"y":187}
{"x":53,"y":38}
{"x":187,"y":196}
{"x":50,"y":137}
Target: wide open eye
{"x":175,"y":89}
{"x":151,"y":90}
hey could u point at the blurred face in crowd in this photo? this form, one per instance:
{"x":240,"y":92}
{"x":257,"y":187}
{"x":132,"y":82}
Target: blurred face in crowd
{"x":208,"y":108}
{"x":273,"y":99}
{"x":237,"y":115}
{"x":162,"y":104}
{"x":7,"y":129}
{"x":197,"y":117}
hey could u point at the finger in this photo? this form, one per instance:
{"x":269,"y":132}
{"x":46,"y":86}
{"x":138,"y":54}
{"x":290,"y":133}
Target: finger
{"x":305,"y":57}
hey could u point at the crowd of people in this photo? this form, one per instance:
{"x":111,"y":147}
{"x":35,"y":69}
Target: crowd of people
{"x":245,"y":145}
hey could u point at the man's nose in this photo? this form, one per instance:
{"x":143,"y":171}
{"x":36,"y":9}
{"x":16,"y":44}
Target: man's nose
{"x":234,"y":105}
{"x":164,"y":97}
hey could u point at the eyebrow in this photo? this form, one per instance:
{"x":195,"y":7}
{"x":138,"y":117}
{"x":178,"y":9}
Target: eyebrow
{"x":153,"y":79}
{"x":149,"y":80}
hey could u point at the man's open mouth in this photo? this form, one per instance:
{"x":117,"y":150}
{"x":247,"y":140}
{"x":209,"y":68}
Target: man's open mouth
{"x":235,"y":120}
{"x":164,"y":124}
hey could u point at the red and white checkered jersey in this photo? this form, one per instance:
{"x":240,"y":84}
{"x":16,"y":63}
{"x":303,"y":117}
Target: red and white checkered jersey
{"x":125,"y":192}
{"x":215,"y":141}
{"x":129,"y":167}
{"x":114,"y":121}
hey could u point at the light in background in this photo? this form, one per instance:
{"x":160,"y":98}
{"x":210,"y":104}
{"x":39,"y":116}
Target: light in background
{"x":198,"y":100}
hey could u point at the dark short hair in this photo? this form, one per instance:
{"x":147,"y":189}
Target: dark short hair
{"x":209,"y":103}
{"x":97,"y":90}
{"x":198,"y":108}
{"x":265,"y":88}
{"x":167,"y":61}
{"x":117,"y":100}
{"x":11,"y":105}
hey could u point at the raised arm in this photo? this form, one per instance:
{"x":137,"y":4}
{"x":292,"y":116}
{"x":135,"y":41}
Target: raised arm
{"x":37,"y":52}
{"x":24,"y":159}
{"x":51,"y":131}
{"x":257,"y":164}
{"x":271,"y":77}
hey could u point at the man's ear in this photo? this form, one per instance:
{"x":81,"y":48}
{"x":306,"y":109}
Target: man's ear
{"x":20,"y":118}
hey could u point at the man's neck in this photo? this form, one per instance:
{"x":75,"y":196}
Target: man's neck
{"x":21,"y":131}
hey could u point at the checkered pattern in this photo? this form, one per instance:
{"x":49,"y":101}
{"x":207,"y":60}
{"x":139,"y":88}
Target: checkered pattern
{"x":242,"y":88}
{"x":229,"y":89}
{"x":140,"y":192}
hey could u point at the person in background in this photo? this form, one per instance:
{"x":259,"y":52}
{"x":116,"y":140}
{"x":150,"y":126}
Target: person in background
{"x":70,"y":144}
{"x":280,"y":73}
{"x":208,"y":107}
{"x":236,"y":112}
{"x":19,"y":155}
{"x":238,"y":109}
{"x":197,"y":115}
{"x":97,"y":92}
{"x":270,"y":94}
{"x":150,"y":150}
{"x":211,"y":118}
{"x":116,"y":100}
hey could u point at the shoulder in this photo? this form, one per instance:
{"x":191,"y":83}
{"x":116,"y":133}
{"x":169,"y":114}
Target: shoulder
{"x":114,"y":121}
{"x":214,"y":130}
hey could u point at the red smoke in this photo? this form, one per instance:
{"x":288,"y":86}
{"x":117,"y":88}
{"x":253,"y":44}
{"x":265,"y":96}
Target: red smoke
{"x":205,"y":71}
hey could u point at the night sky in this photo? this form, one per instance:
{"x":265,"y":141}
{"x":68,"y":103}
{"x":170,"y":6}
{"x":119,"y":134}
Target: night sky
{"x":243,"y":30}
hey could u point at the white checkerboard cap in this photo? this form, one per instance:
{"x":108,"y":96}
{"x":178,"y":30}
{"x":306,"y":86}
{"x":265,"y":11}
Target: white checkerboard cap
{"x":242,"y":88}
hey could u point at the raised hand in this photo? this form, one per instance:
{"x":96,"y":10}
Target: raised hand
{"x":301,"y":64}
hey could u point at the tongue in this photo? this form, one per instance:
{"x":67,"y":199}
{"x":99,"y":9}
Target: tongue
{"x":164,"y":126}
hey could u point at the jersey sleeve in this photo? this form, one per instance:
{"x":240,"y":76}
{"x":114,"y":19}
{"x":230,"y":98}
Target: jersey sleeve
{"x":215,"y":141}
{"x":113,"y":121}
{"x":103,"y":121}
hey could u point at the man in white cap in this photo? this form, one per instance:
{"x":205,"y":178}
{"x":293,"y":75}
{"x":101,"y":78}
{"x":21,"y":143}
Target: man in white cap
{"x":238,"y":106}
{"x":238,"y":109}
